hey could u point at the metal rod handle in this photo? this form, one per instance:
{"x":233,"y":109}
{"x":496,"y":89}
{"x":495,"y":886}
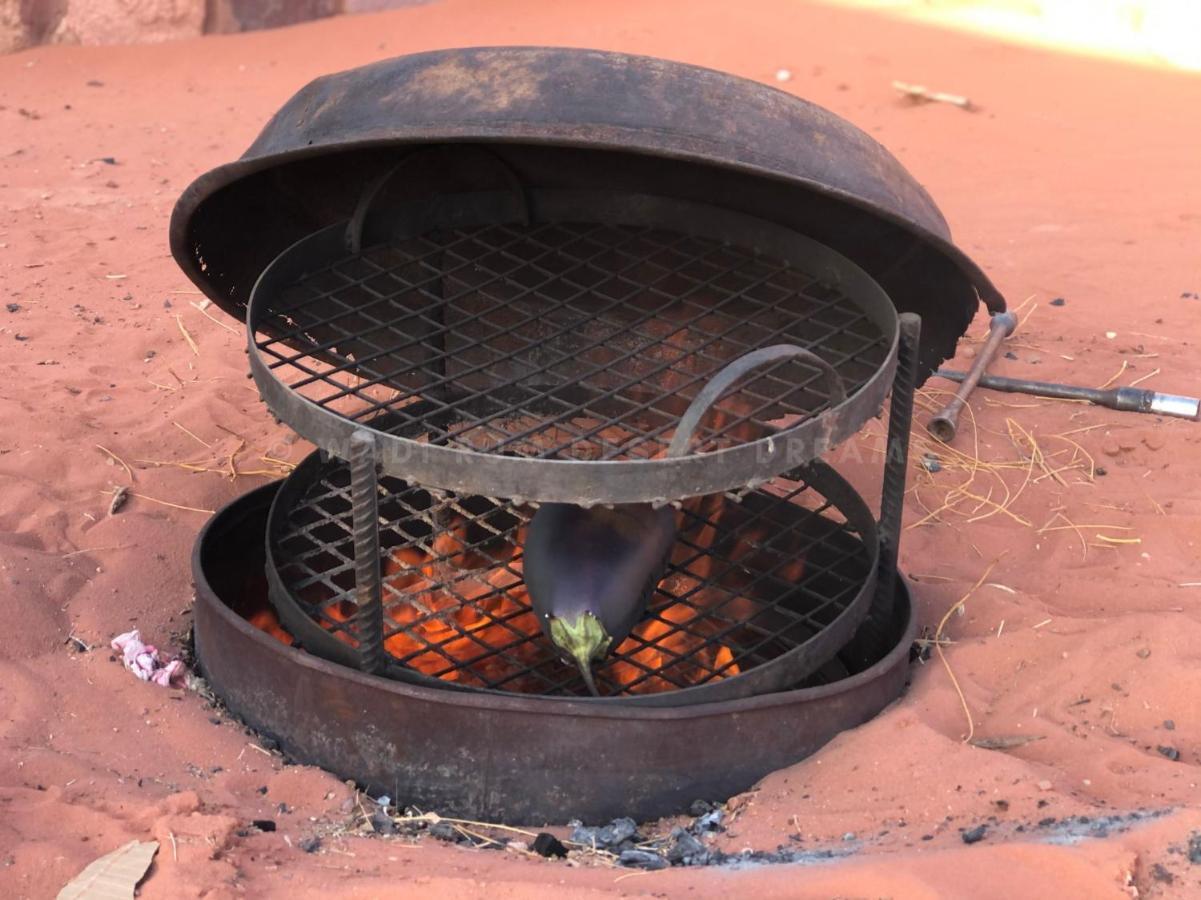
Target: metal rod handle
{"x":1125,"y":399}
{"x":368,"y":580}
{"x":945,"y":422}
{"x":727,"y":377}
{"x":896,"y":460}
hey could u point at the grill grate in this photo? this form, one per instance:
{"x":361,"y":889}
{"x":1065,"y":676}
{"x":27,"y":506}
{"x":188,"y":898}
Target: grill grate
{"x":752,"y":577}
{"x":559,"y":341}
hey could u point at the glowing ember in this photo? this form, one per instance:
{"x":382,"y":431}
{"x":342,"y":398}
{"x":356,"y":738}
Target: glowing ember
{"x":456,"y":606}
{"x":462,"y":614}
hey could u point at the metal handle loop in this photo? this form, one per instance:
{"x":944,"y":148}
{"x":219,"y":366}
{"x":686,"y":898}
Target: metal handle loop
{"x":366,"y":201}
{"x":720,"y":383}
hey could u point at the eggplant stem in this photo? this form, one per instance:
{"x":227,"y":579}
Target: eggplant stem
{"x":586,"y":671}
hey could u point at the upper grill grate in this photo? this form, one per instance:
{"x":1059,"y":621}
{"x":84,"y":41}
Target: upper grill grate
{"x":560,"y":341}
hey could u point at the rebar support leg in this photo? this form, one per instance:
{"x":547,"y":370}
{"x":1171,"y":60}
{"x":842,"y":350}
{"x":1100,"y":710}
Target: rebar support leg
{"x":896,"y":462}
{"x":368,"y":580}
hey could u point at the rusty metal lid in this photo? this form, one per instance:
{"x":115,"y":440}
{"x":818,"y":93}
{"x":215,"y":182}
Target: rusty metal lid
{"x":776,"y":155}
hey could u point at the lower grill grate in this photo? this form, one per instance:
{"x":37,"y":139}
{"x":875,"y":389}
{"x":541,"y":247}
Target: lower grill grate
{"x":755,"y":579}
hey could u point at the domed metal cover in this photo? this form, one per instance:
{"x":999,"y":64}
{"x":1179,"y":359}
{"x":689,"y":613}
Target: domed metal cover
{"x":572,"y":118}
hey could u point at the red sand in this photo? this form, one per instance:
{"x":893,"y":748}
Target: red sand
{"x":1079,"y":178}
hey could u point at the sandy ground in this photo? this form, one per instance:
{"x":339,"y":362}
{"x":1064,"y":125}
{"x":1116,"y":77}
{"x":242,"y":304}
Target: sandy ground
{"x":1077,"y":179}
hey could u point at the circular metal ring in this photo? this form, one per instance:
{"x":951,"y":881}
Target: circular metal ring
{"x":512,"y":366}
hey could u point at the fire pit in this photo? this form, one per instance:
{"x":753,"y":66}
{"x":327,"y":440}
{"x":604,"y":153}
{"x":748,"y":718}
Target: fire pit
{"x":515,"y":758}
{"x":485,"y":281}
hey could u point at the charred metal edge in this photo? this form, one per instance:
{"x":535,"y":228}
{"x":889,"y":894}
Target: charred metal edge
{"x":756,"y":129}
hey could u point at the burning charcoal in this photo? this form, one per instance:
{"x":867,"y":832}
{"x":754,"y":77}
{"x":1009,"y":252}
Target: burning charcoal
{"x":409,"y":828}
{"x":310,"y":844}
{"x":975,"y":835}
{"x":619,"y":830}
{"x":642,"y":859}
{"x":381,"y":823}
{"x":687,"y":850}
{"x":606,"y":837}
{"x":546,"y":844}
{"x":444,"y":831}
{"x":1170,"y":752}
{"x":710,"y":821}
{"x":699,"y":808}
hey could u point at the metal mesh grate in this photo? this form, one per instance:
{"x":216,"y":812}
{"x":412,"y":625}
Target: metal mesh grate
{"x":751,"y":578}
{"x":569,"y":341}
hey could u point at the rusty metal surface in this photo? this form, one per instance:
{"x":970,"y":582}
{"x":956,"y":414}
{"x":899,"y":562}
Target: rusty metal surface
{"x":510,"y":759}
{"x":581,"y":118}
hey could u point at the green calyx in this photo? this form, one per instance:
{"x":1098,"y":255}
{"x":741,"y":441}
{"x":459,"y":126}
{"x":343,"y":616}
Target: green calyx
{"x":583,"y":640}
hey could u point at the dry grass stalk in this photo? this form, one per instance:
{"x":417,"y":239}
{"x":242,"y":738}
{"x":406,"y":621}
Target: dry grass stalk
{"x":1143,"y":378}
{"x":117,"y":459}
{"x":938,"y":641}
{"x":193,"y":436}
{"x":1118,"y":374}
{"x":187,"y":337}
{"x":919,"y":94}
{"x":208,"y":315}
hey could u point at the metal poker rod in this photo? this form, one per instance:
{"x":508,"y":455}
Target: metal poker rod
{"x":1126,"y":399}
{"x":944,"y":423}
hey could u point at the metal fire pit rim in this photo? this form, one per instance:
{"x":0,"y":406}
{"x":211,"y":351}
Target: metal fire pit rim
{"x":205,"y":595}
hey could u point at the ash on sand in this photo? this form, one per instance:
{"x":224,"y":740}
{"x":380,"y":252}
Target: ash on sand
{"x":620,"y":842}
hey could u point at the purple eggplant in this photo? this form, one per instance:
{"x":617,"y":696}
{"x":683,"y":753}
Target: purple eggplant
{"x":591,"y":572}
